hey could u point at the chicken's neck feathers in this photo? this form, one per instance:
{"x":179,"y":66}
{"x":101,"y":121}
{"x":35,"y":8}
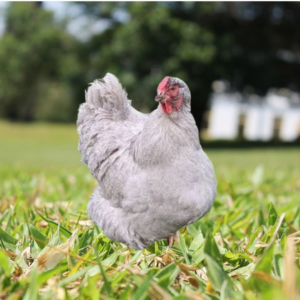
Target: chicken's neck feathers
{"x":164,"y":137}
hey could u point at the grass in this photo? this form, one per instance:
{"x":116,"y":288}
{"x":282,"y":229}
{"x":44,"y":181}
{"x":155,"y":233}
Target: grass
{"x":247,"y":247}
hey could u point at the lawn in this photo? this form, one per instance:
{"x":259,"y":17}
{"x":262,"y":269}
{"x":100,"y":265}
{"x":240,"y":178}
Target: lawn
{"x":247,"y":247}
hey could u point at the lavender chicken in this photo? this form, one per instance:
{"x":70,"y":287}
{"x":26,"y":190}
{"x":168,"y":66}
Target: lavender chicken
{"x":153,"y":176}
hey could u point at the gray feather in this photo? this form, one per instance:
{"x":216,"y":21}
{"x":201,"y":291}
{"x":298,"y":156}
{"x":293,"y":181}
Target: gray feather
{"x":153,"y":176}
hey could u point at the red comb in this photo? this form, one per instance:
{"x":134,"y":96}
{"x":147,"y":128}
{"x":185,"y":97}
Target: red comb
{"x":162,"y":84}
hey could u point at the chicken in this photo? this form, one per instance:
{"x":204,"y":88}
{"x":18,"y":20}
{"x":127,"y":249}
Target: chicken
{"x":153,"y":176}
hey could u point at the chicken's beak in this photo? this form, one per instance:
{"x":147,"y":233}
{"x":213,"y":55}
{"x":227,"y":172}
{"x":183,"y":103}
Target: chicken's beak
{"x":159,"y":97}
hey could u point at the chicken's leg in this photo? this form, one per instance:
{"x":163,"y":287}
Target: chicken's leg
{"x":173,"y":238}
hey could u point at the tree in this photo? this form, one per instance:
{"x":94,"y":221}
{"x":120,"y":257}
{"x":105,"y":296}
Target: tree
{"x":153,"y":44}
{"x":44,"y":70}
{"x":36,"y":66}
{"x":254,"y":46}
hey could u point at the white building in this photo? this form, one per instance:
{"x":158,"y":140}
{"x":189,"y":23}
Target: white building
{"x":277,"y":115}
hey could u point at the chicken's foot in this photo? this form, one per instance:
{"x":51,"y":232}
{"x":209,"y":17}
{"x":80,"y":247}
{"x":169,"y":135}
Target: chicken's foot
{"x":172,"y":239}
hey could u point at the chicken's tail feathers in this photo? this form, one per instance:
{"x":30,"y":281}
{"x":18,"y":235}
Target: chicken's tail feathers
{"x":108,"y":94}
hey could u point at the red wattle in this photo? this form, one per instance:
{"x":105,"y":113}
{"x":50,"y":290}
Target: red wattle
{"x":169,"y":109}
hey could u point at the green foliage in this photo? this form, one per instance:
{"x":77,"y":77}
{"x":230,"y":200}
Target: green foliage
{"x":237,"y":251}
{"x":158,"y":41}
{"x":36,"y":64}
{"x":44,"y":70}
{"x":198,"y":42}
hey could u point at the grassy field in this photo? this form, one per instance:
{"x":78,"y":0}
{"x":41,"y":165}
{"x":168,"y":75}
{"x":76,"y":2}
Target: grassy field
{"x":247,"y":247}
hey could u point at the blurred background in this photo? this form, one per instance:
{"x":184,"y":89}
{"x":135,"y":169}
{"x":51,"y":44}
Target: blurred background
{"x":240,"y":59}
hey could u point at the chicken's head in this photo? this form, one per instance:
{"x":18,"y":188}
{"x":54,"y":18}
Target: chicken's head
{"x":173,"y":94}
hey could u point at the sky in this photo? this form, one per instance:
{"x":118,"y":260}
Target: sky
{"x":80,"y":25}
